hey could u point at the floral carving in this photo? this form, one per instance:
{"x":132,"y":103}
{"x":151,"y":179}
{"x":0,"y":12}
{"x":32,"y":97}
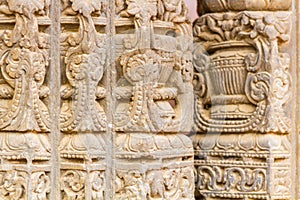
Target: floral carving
{"x":142,"y":11}
{"x":158,"y":184}
{"x":217,"y":179}
{"x":41,"y":186}
{"x":86,"y":7}
{"x":242,"y":86}
{"x":151,"y":100}
{"x":266,"y":80}
{"x":84,"y":61}
{"x":73,"y":184}
{"x":98,"y":185}
{"x":172,"y":10}
{"x":23,"y":66}
{"x":13,"y":185}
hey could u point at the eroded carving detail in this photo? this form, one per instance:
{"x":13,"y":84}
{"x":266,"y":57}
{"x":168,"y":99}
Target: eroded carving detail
{"x":242,"y":86}
{"x":41,"y":186}
{"x":98,"y":185}
{"x":13,"y":185}
{"x":153,"y":90}
{"x":73,"y":185}
{"x":240,"y":166}
{"x":77,"y":183}
{"x":84,"y":61}
{"x":83,"y":118}
{"x":217,"y":179}
{"x":155,"y":184}
{"x":24,"y":60}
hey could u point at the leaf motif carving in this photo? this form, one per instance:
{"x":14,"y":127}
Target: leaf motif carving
{"x":26,"y":6}
{"x":86,"y":7}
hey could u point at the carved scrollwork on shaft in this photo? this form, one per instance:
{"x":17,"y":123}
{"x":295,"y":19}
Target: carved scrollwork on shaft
{"x":85,"y":60}
{"x":13,"y":185}
{"x":219,"y":179}
{"x":24,"y":60}
{"x":73,"y":185}
{"x":156,"y":184}
{"x":98,"y":185}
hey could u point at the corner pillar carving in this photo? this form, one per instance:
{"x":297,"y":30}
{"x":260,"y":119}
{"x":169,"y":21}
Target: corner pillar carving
{"x":242,"y":88}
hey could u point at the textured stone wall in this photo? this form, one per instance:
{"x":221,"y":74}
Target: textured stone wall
{"x":95,"y":100}
{"x":130,"y":100}
{"x":244,"y":122}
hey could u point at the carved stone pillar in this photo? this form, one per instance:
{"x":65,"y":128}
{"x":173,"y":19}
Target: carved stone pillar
{"x":154,"y":159}
{"x":242,"y":87}
{"x":83,"y":95}
{"x":24,"y":115}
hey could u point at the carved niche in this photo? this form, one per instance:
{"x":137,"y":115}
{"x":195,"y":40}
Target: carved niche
{"x":154,"y":158}
{"x":242,"y":87}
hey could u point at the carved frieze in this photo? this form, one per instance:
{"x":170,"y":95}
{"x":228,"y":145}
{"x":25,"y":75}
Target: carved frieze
{"x":206,"y":6}
{"x":24,"y":60}
{"x":83,"y":120}
{"x":85,"y":61}
{"x":24,"y":90}
{"x":156,"y":184}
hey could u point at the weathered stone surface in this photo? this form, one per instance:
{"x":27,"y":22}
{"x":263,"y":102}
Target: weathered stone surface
{"x":242,"y":87}
{"x":128,"y":99}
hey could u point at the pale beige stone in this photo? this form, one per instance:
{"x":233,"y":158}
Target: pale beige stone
{"x":242,"y":87}
{"x":98,"y":98}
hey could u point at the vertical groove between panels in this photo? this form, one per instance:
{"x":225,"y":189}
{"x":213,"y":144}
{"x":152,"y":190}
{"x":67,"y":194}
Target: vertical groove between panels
{"x":111,"y":73}
{"x":295,"y":62}
{"x":55,"y":73}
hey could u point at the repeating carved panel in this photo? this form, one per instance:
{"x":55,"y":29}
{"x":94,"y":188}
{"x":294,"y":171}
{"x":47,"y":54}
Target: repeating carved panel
{"x":24,"y":99}
{"x":128,"y":77}
{"x":264,"y":82}
{"x":154,"y":86}
{"x":83,"y":120}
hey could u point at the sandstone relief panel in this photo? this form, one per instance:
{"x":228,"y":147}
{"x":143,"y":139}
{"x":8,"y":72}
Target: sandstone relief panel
{"x":154,"y":85}
{"x":148,"y":104}
{"x":24,"y":114}
{"x":242,"y":86}
{"x":83,"y":117}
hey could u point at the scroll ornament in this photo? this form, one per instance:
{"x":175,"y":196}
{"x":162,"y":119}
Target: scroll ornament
{"x":256,"y":78}
{"x":24,"y":60}
{"x":85,"y":60}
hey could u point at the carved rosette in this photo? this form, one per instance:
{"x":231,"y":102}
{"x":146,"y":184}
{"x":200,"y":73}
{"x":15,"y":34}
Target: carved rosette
{"x":242,"y":86}
{"x":154,"y":86}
